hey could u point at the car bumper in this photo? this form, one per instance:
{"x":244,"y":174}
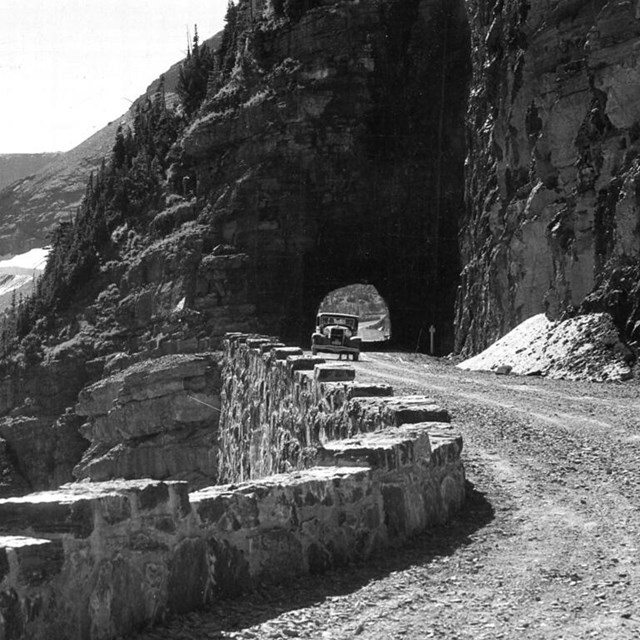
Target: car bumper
{"x":330,"y":348}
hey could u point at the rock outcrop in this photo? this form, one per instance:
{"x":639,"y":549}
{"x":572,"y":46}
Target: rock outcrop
{"x":38,"y":426}
{"x":330,"y":152}
{"x":554,"y":139}
{"x":156,"y":419}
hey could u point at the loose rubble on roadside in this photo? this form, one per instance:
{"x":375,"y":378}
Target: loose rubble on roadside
{"x":586,"y":347}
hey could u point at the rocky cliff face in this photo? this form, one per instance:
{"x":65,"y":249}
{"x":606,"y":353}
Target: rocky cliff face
{"x":554,"y":138}
{"x":331,"y":153}
{"x":329,"y":150}
{"x":155,"y":419}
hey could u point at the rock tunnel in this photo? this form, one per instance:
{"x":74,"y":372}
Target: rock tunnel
{"x":400,"y":235}
{"x":346,"y":160}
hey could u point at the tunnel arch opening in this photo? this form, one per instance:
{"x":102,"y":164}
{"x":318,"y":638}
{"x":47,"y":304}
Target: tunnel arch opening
{"x":364,"y":301}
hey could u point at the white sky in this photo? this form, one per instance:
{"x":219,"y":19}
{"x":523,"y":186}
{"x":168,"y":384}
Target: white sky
{"x":67,"y":67}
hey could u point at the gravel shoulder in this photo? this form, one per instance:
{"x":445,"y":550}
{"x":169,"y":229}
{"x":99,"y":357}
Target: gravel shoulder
{"x":546,"y":548}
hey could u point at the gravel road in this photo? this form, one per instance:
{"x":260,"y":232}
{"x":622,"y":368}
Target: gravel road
{"x":547,"y":547}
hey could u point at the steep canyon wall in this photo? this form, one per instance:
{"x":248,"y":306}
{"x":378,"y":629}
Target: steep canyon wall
{"x":553,"y":140}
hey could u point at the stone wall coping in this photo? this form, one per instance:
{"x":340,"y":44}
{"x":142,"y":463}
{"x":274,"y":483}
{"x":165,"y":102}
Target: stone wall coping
{"x":390,"y":448}
{"x":334,"y":372}
{"x":75,"y":492}
{"x":283,"y":353}
{"x":304,"y":363}
{"x":295,"y":478}
{"x":408,"y":409}
{"x":256,"y":343}
{"x":369,"y":390}
{"x":268,"y":347}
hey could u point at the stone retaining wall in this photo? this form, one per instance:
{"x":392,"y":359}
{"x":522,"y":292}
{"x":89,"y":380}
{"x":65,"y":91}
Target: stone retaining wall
{"x":280,"y":405}
{"x":99,"y":560}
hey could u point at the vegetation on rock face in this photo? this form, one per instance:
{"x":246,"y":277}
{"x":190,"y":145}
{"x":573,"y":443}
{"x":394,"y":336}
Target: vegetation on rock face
{"x":125,"y":194}
{"x":92,"y":289}
{"x":194,"y":74}
{"x":116,"y":272}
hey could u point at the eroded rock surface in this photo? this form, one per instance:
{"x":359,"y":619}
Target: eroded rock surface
{"x":330,"y":152}
{"x":157,"y":419}
{"x":553,"y":165}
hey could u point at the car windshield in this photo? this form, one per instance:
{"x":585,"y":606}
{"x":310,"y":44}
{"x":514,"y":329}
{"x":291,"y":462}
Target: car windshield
{"x":344,"y":321}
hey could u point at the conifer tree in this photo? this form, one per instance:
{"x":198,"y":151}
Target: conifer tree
{"x":193,"y":75}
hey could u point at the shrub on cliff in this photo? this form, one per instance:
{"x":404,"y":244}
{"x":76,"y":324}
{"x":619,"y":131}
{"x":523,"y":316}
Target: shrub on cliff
{"x":194,"y":75}
{"x":127,"y":191}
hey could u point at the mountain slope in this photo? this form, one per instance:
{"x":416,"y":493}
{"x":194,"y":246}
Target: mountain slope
{"x":15,"y":166}
{"x":32,"y":206}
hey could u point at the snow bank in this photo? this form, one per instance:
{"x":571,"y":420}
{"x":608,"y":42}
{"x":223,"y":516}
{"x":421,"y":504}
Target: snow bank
{"x":17,"y":275}
{"x":35,"y":259}
{"x":587,"y":347}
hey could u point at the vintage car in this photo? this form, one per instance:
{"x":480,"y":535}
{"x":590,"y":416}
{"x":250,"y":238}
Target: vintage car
{"x":336,"y":333}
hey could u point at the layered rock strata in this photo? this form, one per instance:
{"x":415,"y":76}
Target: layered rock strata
{"x":157,"y":419}
{"x":37,"y":424}
{"x":553,"y":206}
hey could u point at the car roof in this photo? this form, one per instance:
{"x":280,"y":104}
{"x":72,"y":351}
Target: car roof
{"x":338,"y":315}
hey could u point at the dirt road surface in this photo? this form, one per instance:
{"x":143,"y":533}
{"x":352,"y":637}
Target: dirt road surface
{"x":547,"y":547}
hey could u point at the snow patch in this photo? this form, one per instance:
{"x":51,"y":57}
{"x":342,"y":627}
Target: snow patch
{"x":17,"y":275}
{"x":586,"y":347}
{"x":35,"y":259}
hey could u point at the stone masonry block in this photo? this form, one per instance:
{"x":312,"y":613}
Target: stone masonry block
{"x":387,"y":449}
{"x":413,"y":409}
{"x":334,"y":373}
{"x":363,"y":390}
{"x":300,"y":377}
{"x":256,"y":343}
{"x":303,"y":363}
{"x":40,"y":513}
{"x":446,"y":443}
{"x":235,"y":336}
{"x":282,"y":353}
{"x":76,"y":509}
{"x":270,"y":346}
